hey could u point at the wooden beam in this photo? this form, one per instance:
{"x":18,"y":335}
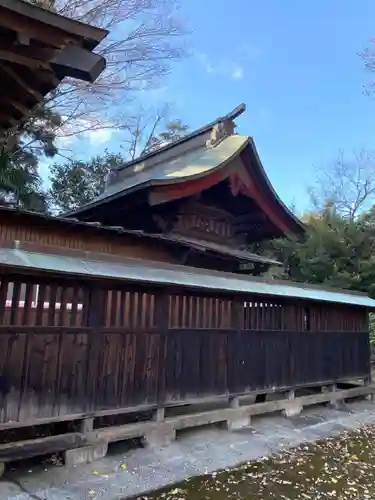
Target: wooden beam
{"x":242,"y":220}
{"x":19,"y":450}
{"x":35,"y":30}
{"x":23,"y":39}
{"x":12,"y":57}
{"x":46,"y":19}
{"x":24,"y":110}
{"x":8,"y":118}
{"x":79,"y":63}
{"x":21,"y":82}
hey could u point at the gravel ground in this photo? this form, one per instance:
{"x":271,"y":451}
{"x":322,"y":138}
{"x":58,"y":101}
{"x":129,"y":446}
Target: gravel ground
{"x":341,"y":468}
{"x":131,"y":473}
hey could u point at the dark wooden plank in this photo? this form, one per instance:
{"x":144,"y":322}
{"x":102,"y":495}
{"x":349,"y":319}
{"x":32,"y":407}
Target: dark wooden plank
{"x":74,"y":309}
{"x":42,"y":294}
{"x":161,"y":325}
{"x":11,"y":363}
{"x":15,"y":302}
{"x":51,"y":316}
{"x":20,"y":450}
{"x":76,"y":384}
{"x":28,"y":317}
{"x":96,"y":320}
{"x":4,"y":285}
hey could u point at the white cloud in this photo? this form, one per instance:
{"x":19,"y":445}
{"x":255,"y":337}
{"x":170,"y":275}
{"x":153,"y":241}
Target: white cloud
{"x":99,"y":136}
{"x":92,"y":130}
{"x":237,"y":73}
{"x":233,"y":70}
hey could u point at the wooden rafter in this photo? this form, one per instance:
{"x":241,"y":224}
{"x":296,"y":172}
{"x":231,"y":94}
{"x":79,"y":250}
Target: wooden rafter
{"x":54,"y":25}
{"x":12,"y":57}
{"x":24,"y":110}
{"x":37,"y":31}
{"x":6,"y":118}
{"x":22,"y":83}
{"x":38,"y":48}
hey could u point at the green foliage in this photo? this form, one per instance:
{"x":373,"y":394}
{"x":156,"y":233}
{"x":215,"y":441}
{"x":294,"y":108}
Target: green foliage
{"x":20,"y":182}
{"x":372,"y":331}
{"x":77,"y":183}
{"x":174,"y":130}
{"x":335,"y":251}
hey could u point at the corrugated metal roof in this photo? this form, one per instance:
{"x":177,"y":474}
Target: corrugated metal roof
{"x":166,"y":274}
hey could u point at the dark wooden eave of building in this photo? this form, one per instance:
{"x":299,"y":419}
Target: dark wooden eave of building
{"x":212,"y":164}
{"x":184,"y":250}
{"x":38,"y":48}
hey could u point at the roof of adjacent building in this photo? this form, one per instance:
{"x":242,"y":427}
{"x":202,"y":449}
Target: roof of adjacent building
{"x":156,"y":273}
{"x":40,"y":48}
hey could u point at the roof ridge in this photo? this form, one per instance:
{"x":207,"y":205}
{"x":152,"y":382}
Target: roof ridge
{"x":232,"y":115}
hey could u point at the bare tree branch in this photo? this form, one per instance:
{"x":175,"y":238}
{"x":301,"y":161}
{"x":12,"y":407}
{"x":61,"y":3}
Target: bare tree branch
{"x":146,"y":37}
{"x":368,"y":57}
{"x":348,"y":185}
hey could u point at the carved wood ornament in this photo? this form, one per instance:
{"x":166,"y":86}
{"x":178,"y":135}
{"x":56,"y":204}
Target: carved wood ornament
{"x":199,"y":221}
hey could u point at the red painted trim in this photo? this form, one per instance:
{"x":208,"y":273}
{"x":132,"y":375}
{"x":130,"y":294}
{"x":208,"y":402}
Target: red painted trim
{"x":242,"y":181}
{"x":250,"y":187}
{"x":163,"y":194}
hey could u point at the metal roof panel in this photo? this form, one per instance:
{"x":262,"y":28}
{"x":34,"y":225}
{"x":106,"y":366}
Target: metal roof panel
{"x":168,"y":274}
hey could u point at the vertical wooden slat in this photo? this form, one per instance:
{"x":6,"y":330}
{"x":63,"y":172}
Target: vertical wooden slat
{"x":112,"y":307}
{"x":40,"y":304}
{"x":3,"y":297}
{"x":27,"y":308}
{"x":122,"y":308}
{"x":74,"y":307}
{"x":63,"y":305}
{"x":161,"y":323}
{"x":52,"y":305}
{"x":15,"y":303}
{"x":96,"y":321}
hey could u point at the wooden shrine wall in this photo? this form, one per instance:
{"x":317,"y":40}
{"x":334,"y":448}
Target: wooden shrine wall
{"x":81,"y":238}
{"x":71,"y":348}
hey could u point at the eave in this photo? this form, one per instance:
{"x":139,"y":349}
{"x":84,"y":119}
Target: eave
{"x":38,"y":49}
{"x":80,"y":265}
{"x":234,"y":159}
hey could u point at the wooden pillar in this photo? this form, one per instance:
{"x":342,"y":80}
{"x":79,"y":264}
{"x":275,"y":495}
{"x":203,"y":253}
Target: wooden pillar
{"x":234,"y":344}
{"x":161,"y":325}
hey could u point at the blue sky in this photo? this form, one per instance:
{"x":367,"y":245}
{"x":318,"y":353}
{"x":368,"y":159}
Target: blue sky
{"x":295,"y":65}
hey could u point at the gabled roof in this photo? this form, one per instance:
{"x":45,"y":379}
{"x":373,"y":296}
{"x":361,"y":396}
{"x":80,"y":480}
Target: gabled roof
{"x":197,"y":162}
{"x":40,"y":48}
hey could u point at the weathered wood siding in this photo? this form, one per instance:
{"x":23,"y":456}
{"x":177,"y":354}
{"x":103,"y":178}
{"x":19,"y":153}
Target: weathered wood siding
{"x":78,"y":348}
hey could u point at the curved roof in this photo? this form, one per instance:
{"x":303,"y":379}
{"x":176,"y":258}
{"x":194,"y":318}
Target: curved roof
{"x":192,"y":165}
{"x":213,"y":152}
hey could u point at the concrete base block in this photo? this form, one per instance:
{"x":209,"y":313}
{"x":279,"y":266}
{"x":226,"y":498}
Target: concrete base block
{"x":85,"y":454}
{"x":237,"y":423}
{"x":337,"y":404}
{"x":158,"y":438}
{"x":234,"y":403}
{"x":159,"y":415}
{"x":293,"y":409}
